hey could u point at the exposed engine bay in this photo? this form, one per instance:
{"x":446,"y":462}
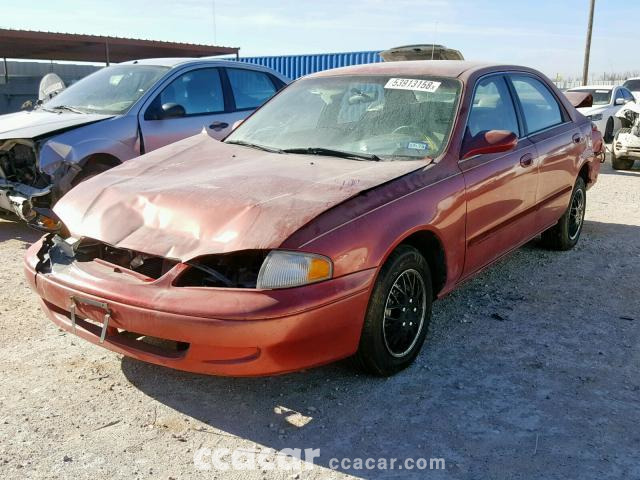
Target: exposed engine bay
{"x":232,"y":270}
{"x":630,"y":116}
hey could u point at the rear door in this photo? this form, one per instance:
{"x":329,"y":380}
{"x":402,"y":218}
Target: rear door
{"x":201,"y":93}
{"x":501,"y":188}
{"x":248,"y":90}
{"x":558,"y":141}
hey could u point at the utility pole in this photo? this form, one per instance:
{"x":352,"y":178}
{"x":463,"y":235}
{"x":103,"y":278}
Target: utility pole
{"x":587,"y":50}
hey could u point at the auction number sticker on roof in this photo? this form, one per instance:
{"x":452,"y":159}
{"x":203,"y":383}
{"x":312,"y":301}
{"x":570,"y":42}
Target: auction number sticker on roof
{"x":412,"y":84}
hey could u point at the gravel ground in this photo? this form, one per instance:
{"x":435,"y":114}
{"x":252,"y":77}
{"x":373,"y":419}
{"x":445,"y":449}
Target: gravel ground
{"x":529,"y":371}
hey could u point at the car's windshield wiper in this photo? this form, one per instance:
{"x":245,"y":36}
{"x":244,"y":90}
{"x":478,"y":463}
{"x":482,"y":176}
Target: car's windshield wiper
{"x":333,"y":153}
{"x":254,"y":145}
{"x":63,"y":107}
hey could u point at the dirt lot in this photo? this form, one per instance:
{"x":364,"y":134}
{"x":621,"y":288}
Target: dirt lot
{"x":529,"y":371}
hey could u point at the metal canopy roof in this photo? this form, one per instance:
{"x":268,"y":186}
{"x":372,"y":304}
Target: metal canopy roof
{"x":27,"y":44}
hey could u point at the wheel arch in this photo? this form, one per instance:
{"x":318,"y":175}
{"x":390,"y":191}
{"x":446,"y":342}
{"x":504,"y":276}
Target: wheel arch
{"x":429,"y":244}
{"x":105,"y":159}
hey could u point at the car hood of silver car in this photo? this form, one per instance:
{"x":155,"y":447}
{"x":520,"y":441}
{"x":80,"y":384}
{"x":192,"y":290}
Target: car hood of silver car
{"x":38,"y":123}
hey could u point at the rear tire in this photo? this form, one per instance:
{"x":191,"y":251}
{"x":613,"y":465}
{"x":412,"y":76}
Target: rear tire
{"x":565,"y":234}
{"x":398,"y":314}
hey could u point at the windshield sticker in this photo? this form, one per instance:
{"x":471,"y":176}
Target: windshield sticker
{"x":412,"y":84}
{"x":418,"y":146}
{"x":602,"y":91}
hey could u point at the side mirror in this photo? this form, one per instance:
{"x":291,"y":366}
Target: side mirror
{"x":172,"y":110}
{"x":620,"y":101}
{"x":490,"y":141}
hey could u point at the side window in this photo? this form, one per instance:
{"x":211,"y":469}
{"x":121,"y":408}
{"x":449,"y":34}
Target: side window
{"x":250,"y":89}
{"x":539,"y":106}
{"x":628,"y":97}
{"x":198,"y":91}
{"x":492,"y":108}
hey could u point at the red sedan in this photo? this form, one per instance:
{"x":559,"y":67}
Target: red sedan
{"x":325,"y":225}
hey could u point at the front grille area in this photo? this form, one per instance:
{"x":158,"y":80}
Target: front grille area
{"x":147,"y":265}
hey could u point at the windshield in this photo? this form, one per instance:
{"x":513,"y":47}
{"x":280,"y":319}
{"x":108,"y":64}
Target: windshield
{"x":373,"y":117}
{"x":600,"y":96}
{"x":633,"y":85}
{"x":111,"y":90}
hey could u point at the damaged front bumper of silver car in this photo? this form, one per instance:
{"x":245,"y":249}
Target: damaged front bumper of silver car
{"x":22,"y":185}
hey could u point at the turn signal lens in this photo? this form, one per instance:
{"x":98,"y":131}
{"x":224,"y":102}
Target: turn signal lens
{"x":283,"y":269}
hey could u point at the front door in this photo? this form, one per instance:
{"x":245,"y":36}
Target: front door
{"x":200,"y":93}
{"x":500,"y":188}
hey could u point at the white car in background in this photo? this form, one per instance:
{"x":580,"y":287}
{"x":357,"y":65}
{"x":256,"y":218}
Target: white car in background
{"x":633,"y":85}
{"x":606,"y":103}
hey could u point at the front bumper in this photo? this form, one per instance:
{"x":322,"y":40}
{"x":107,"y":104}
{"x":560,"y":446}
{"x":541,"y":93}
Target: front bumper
{"x":236,"y":332}
{"x":18,"y":198}
{"x":627,"y":145}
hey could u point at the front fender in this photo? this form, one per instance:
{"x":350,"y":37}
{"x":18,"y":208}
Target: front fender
{"x":116,"y":137}
{"x":368,"y":239}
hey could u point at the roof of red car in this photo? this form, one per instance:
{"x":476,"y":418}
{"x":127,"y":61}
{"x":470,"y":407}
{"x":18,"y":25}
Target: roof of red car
{"x":441,"y":68}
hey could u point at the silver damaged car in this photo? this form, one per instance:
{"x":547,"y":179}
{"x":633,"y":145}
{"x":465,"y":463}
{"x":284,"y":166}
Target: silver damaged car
{"x":118,"y":113}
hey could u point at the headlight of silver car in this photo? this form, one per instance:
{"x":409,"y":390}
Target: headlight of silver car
{"x":284,"y":269}
{"x":595,"y":117}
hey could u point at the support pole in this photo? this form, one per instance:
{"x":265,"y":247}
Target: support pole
{"x":106,"y":51}
{"x":587,"y":50}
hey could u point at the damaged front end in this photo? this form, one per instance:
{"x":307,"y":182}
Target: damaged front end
{"x":626,"y":143}
{"x":26,"y":189}
{"x":22,"y":184}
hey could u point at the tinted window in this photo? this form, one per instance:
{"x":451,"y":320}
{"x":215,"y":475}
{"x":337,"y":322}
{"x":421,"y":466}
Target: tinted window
{"x":619,"y":94}
{"x":492,"y":108}
{"x":198,"y":91}
{"x":540,"y":108}
{"x":633,"y":85}
{"x":250,"y":89}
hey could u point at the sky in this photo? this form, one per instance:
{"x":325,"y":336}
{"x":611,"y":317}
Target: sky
{"x":545,"y":34}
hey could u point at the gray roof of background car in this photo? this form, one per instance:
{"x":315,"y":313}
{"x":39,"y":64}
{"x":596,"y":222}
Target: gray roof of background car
{"x":175,"y":62}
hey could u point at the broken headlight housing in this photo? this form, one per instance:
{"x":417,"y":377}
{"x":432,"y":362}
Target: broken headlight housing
{"x":284,"y":269}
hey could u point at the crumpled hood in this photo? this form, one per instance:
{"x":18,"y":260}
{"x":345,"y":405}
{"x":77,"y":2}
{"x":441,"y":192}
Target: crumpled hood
{"x":200,"y":196}
{"x":39,"y":122}
{"x":631,"y":106}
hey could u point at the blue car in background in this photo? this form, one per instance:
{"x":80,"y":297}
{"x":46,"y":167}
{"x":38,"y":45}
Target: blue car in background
{"x":118,"y":113}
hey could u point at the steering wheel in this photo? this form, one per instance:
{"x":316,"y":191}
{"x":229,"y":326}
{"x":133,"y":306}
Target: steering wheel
{"x":408,"y":130}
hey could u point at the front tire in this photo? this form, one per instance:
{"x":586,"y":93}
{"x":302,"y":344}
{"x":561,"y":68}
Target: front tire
{"x":608,"y":131}
{"x":565,"y":234}
{"x":398,"y":314}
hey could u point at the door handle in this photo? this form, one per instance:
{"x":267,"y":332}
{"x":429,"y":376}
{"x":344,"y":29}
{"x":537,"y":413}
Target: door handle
{"x":577,"y":138}
{"x":218,"y":125}
{"x":526,"y":160}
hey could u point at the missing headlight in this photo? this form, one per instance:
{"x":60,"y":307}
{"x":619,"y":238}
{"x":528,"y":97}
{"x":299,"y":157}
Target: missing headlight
{"x":232,"y":270}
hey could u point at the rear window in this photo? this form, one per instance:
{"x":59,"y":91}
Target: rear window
{"x":601,"y":96}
